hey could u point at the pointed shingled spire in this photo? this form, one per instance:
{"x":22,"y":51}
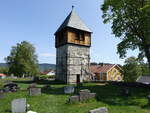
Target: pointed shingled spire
{"x":73,"y":21}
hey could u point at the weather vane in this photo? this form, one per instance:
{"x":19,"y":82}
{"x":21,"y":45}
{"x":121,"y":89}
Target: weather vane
{"x":72,"y":7}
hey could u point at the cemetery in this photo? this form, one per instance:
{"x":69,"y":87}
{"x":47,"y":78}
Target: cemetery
{"x":50,"y":97}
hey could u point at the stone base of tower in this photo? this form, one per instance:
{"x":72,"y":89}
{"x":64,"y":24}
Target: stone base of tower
{"x":72,"y":63}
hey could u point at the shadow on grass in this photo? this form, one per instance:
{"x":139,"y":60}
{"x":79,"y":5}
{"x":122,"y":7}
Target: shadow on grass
{"x":109,"y":93}
{"x":41,"y":82}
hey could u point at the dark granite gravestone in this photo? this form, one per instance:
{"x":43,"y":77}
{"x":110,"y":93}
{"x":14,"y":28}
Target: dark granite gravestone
{"x":73,"y":99}
{"x":99,"y":110}
{"x":18,"y":105}
{"x":6,"y":89}
{"x":47,"y":87}
{"x":68,"y":89}
{"x":34,"y":91}
{"x":125,"y":92}
{"x":84,"y":94}
{"x":10,"y":87}
{"x":148,"y":100}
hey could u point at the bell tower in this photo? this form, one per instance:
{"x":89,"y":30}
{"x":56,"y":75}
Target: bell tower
{"x":73,"y":42}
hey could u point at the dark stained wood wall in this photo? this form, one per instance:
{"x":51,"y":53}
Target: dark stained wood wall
{"x":72,"y":36}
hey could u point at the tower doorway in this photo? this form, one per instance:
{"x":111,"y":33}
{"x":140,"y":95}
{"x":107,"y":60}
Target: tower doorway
{"x":78,"y":78}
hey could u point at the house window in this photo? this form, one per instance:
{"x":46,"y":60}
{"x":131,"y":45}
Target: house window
{"x":79,"y":36}
{"x":119,"y":78}
{"x":101,"y":76}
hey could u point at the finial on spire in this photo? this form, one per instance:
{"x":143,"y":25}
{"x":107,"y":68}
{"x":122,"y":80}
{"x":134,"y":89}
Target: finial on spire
{"x":72,"y":7}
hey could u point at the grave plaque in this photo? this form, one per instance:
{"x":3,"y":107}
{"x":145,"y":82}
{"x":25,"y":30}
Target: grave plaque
{"x":18,"y":105}
{"x":74,"y":99}
{"x":34,"y":91}
{"x":68,"y":89}
{"x":99,"y":110}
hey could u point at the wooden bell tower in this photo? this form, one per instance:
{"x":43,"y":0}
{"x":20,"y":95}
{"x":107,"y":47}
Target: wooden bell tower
{"x":73,"y":42}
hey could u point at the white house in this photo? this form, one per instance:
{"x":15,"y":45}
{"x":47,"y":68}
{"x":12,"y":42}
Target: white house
{"x":49,"y":72}
{"x":2,"y":76}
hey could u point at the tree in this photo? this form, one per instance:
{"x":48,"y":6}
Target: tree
{"x":4,"y":70}
{"x":131,"y":23}
{"x":132,"y":69}
{"x":22,"y":60}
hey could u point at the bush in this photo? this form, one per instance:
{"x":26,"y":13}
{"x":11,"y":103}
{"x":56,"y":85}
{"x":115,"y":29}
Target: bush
{"x":45,"y":77}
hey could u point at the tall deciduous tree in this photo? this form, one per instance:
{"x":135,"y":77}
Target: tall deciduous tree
{"x":132,"y":69}
{"x":23,"y":60}
{"x":131,"y":23}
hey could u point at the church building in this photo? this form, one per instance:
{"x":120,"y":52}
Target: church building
{"x":73,"y":42}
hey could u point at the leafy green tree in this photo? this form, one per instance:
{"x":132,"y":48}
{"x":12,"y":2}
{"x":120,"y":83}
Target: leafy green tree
{"x":22,"y":60}
{"x":132,"y":69}
{"x":131,"y":23}
{"x":145,"y":68}
{"x":4,"y":70}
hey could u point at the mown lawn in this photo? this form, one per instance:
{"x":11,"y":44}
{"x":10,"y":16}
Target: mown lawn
{"x":55,"y":101}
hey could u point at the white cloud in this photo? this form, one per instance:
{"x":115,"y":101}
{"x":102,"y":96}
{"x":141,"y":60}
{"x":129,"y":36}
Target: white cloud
{"x":47,"y":55}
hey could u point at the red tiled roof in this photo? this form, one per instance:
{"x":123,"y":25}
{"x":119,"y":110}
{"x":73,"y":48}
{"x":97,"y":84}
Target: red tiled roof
{"x":1,"y":74}
{"x":101,"y":68}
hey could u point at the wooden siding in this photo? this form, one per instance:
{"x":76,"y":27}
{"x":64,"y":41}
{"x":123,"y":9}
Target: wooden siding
{"x":115,"y":74}
{"x":104,"y":77}
{"x":69,"y":35}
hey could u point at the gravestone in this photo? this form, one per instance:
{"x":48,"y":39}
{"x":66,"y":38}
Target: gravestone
{"x":31,"y":112}
{"x":47,"y":87}
{"x":99,"y":110}
{"x":1,"y":95}
{"x":6,"y":89}
{"x":84,"y":94}
{"x":73,"y":99}
{"x":33,"y":85}
{"x":68,"y":89}
{"x":125,"y":92}
{"x":18,"y":105}
{"x":92,"y":95}
{"x":148,"y":100}
{"x":10,"y":87}
{"x":34,"y":91}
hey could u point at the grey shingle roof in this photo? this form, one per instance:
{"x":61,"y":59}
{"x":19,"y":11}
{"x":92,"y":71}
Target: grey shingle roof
{"x":74,"y":21}
{"x":143,"y":79}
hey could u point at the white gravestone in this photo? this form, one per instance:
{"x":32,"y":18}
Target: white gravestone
{"x":18,"y":105}
{"x":69,"y":89}
{"x":99,"y":110}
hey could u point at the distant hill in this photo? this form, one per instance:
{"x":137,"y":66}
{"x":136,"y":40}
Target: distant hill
{"x":46,"y":66}
{"x":3,"y":65}
{"x":43,"y":66}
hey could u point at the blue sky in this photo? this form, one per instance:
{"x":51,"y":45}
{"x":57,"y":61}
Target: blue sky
{"x":37,"y":20}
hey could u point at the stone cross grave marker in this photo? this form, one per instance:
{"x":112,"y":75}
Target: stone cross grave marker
{"x":18,"y":105}
{"x":34,"y":91}
{"x":68,"y":89}
{"x":99,"y":110}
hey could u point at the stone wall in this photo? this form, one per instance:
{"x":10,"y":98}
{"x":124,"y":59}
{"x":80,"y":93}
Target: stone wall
{"x":72,"y":60}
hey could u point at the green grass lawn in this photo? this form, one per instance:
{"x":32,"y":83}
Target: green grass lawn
{"x":55,"y":101}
